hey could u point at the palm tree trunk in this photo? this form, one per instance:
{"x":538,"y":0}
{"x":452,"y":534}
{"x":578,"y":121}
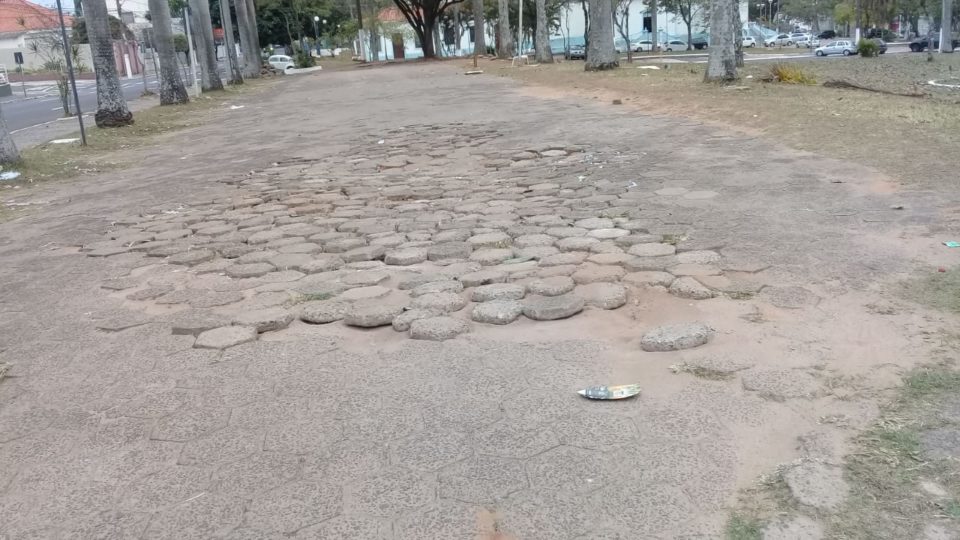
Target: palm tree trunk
{"x":251,"y":57}
{"x":254,"y":31}
{"x":172,"y":90}
{"x":112,"y":108}
{"x":654,"y":10}
{"x":542,"y":39}
{"x":505,"y":43}
{"x":600,"y":52}
{"x":235,"y":76}
{"x":206,"y":49}
{"x":8,"y":149}
{"x":722,"y":62}
{"x":479,"y":30}
{"x":946,"y":27}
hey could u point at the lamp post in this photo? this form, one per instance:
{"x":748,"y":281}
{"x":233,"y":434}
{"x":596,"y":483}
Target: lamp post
{"x":73,"y":80}
{"x":316,"y":33}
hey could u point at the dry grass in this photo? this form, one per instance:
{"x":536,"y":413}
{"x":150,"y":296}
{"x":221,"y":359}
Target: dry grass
{"x":910,"y":139}
{"x":940,"y":290}
{"x":791,"y":74}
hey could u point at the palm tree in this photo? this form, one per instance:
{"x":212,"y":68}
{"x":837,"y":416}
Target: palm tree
{"x":235,"y":76}
{"x":8,"y":149}
{"x":505,"y":41}
{"x":172,"y":90}
{"x":206,"y":50}
{"x":722,"y":62}
{"x":479,"y":32}
{"x":251,"y":54}
{"x":542,"y":39}
{"x":946,"y":34}
{"x":600,"y":52}
{"x":112,"y":108}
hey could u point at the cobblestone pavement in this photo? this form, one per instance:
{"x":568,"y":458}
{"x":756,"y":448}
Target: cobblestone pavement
{"x":367,"y":317}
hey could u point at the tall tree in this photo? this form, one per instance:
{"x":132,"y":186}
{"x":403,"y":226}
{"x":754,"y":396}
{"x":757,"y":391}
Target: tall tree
{"x":246,"y":29}
{"x":600,"y":52}
{"x":112,"y":108}
{"x":172,"y":90}
{"x":479,"y":28}
{"x":621,"y":19}
{"x":206,"y":49}
{"x":946,"y":27}
{"x":585,"y":7}
{"x":8,"y":149}
{"x":722,"y":62}
{"x":542,"y":39}
{"x":504,"y":35}
{"x":686,"y":11}
{"x":423,"y":16}
{"x":654,"y":13}
{"x":226,"y":22}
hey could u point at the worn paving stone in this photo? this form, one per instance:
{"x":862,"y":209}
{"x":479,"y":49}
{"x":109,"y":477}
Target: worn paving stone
{"x":441,"y":301}
{"x":652,"y":250}
{"x":321,"y":263}
{"x":491,"y":256}
{"x":780,"y":384}
{"x":323,"y":311}
{"x":595,"y":223}
{"x":389,"y":493}
{"x":193,"y":322}
{"x":576,"y":243}
{"x":192,"y":257}
{"x":240,"y":271}
{"x":438,"y":328}
{"x":449,"y":250}
{"x":150,"y":293}
{"x":549,"y":308}
{"x":551,"y":286}
{"x":364,"y":293}
{"x":603,"y":295}
{"x":372,"y":313}
{"x":676,"y":337}
{"x":698,"y":257}
{"x":365,"y":278}
{"x":608,"y":234}
{"x":402,"y":322}
{"x":343,"y":245}
{"x":449,"y":285}
{"x":688,"y":287}
{"x":498,"y":291}
{"x":609,"y":258}
{"x":405,"y":257}
{"x":482,"y":479}
{"x":482,"y":277}
{"x":497,"y":311}
{"x":790,"y":297}
{"x":819,"y":485}
{"x":563,"y":259}
{"x":264,"y":320}
{"x":641,"y":279}
{"x":225,"y":337}
{"x":595,"y":273}
{"x":365,"y":253}
{"x":490,"y":240}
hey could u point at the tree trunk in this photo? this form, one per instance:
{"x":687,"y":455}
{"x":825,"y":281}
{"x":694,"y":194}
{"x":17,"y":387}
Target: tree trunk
{"x":737,"y":34}
{"x":427,"y":38}
{"x":722,"y":62}
{"x":586,"y":24}
{"x":601,"y":54}
{"x":254,"y":31}
{"x":626,"y":22}
{"x":542,"y":39}
{"x":653,"y":25}
{"x":111,"y":106}
{"x":207,"y":49}
{"x":251,"y":55}
{"x":689,"y":34}
{"x":946,"y":27}
{"x":479,"y":28}
{"x":172,"y":90}
{"x":236,"y":77}
{"x":505,"y":43}
{"x":8,"y":149}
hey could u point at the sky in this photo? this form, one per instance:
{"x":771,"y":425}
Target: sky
{"x":137,"y":6}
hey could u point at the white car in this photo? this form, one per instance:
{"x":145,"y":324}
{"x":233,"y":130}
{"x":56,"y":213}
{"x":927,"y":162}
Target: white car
{"x":779,"y":40}
{"x":748,"y":41}
{"x":642,"y":46}
{"x":808,"y":41}
{"x":675,"y":45}
{"x":845,"y":47}
{"x":281,"y":62}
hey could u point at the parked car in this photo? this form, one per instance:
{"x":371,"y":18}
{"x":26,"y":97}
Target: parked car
{"x":797,"y":36}
{"x":281,"y":62}
{"x":748,"y":41}
{"x":921,"y":44}
{"x":577,"y":52}
{"x":827,"y":34}
{"x":845,"y":47}
{"x":779,"y":40}
{"x":699,"y":43}
{"x":881,"y":45}
{"x":644,"y":45}
{"x":803,"y":40}
{"x":675,"y":45}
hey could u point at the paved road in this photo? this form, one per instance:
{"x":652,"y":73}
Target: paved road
{"x":42,"y":104}
{"x":755,"y":55}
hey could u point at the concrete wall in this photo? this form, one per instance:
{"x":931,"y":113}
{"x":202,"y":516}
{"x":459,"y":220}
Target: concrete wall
{"x":32,"y":60}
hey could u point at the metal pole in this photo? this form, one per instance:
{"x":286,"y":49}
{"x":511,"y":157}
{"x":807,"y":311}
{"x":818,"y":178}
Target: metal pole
{"x":520,"y":30}
{"x":143,"y":58}
{"x":67,"y":50}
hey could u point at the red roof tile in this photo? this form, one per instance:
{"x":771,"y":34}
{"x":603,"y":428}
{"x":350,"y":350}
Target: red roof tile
{"x":21,"y":16}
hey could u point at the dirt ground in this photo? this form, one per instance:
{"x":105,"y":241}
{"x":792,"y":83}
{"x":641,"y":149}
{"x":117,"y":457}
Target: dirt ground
{"x":170,"y":376}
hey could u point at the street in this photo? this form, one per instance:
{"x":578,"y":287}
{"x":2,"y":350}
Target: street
{"x":42,"y":104}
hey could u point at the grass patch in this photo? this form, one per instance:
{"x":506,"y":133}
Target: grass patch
{"x":940,"y":290}
{"x":791,"y":74}
{"x":742,"y":528}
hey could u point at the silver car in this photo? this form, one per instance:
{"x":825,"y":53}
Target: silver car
{"x":845,"y":47}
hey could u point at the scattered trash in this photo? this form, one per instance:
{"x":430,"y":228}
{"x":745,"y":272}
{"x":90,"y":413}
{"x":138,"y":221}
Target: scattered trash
{"x":949,"y":243}
{"x":474,"y":72}
{"x":9,"y":175}
{"x":64,"y":141}
{"x":518,"y":260}
{"x":749,"y":77}
{"x":954,"y":83}
{"x":648,"y":67}
{"x":610,"y":392}
{"x":235,"y":107}
{"x":617,"y":102}
{"x":896,"y":207}
{"x":942,"y":270}
{"x":4,"y":367}
{"x":632,"y":184}
{"x":380,"y":141}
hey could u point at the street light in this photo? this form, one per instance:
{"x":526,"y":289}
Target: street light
{"x":316,"y":33}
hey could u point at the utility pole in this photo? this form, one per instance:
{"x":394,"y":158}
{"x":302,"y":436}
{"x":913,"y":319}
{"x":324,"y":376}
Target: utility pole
{"x":193,"y":68}
{"x":73,"y":81}
{"x":143,"y":63}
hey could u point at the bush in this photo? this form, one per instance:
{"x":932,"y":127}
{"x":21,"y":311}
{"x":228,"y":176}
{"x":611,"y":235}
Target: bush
{"x":790,"y":74}
{"x":868,"y":48}
{"x":180,"y":43}
{"x":303,"y":59}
